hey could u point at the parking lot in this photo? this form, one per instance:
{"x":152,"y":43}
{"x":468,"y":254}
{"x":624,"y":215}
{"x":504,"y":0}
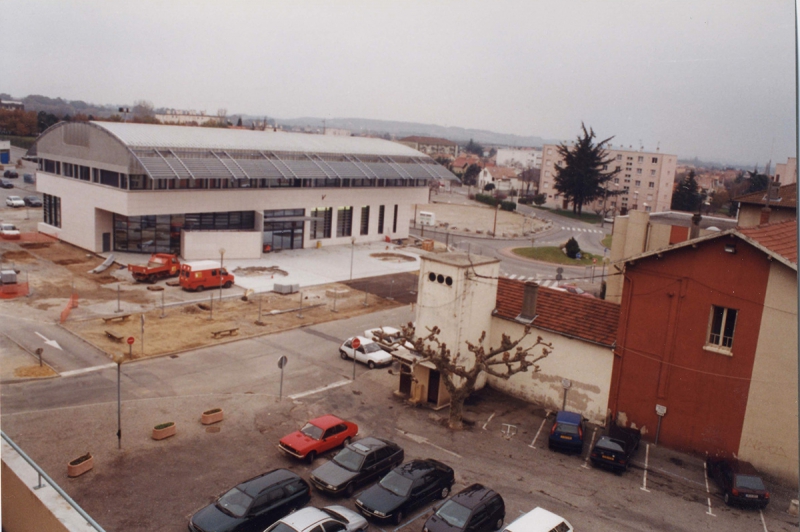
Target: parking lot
{"x":151,"y":485}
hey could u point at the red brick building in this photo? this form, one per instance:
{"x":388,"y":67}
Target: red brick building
{"x":708,"y":329}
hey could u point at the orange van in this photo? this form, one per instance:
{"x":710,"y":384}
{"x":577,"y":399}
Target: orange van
{"x":197,"y":276}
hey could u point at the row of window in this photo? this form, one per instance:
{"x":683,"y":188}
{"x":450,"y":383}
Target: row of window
{"x":144,"y":182}
{"x":323,"y":218}
{"x":640,"y":158}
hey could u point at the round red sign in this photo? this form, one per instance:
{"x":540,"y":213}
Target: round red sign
{"x":356,"y":343}
{"x":130,"y":340}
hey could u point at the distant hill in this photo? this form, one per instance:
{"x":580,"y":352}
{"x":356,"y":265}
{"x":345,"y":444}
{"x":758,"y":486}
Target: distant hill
{"x":61,"y":107}
{"x":405,"y":129}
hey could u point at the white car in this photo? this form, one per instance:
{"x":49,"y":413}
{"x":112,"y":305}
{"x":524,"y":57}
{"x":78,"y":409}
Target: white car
{"x":330,"y":519}
{"x":369,"y":352}
{"x":390,"y":337}
{"x":9,"y":231}
{"x":539,"y":520}
{"x":15,"y":201}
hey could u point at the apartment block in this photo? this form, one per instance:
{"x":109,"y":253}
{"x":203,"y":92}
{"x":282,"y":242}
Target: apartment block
{"x":644,"y":181}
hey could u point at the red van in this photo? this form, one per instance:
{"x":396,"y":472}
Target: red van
{"x":197,"y":276}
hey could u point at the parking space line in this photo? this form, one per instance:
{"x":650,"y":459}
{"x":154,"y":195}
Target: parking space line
{"x":533,"y":443}
{"x":423,"y":512}
{"x":708,"y":492}
{"x":591,"y":445}
{"x":317,"y":390}
{"x":761,"y":513}
{"x":488,"y":420}
{"x":646,"y":464}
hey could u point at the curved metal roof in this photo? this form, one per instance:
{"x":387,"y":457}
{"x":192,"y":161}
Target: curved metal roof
{"x":212,"y":138}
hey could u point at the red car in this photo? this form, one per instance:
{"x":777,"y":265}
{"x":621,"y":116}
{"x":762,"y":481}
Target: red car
{"x":317,"y":436}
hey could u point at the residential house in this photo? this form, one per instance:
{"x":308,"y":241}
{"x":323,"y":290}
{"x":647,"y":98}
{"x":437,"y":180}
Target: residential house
{"x":644,"y":181}
{"x":754,"y":210}
{"x":464,"y":296}
{"x":503,"y":178}
{"x":708,"y":332}
{"x":461,"y":163}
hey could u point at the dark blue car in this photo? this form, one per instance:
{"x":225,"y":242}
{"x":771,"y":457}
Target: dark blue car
{"x":567,"y":432}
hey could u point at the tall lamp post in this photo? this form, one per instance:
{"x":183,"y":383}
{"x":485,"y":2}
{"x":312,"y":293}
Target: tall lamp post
{"x":221,"y":255}
{"x":603,"y":212}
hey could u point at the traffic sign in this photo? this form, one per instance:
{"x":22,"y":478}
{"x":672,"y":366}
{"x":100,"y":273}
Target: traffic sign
{"x":282,"y":361}
{"x":356,"y":343}
{"x":130,"y":340}
{"x":594,"y":261}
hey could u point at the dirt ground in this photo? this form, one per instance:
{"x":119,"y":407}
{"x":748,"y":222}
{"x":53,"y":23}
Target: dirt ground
{"x":191,"y":325}
{"x":56,"y":269}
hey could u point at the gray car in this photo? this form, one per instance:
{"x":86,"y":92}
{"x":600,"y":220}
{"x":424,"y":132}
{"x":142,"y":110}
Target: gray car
{"x":357,"y":464}
{"x":329,"y":519}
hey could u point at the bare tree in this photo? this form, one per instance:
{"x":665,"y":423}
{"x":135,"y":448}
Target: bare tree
{"x":143,"y":109}
{"x":222,"y":115}
{"x":460,"y":371}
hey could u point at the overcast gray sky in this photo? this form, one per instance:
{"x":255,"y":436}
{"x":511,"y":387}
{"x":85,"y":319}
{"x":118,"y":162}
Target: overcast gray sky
{"x":715,"y":79}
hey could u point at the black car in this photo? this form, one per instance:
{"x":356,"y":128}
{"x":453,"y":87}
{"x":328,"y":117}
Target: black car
{"x":476,"y":508}
{"x":254,"y":504}
{"x":32,"y":201}
{"x":739,"y":482}
{"x":615,"y":449}
{"x":5,"y":183}
{"x":356,"y":464}
{"x":11,"y":174}
{"x":404,"y":488}
{"x":567,"y":432}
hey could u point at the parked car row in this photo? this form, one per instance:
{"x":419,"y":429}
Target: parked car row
{"x":738,"y":480}
{"x":27,"y":201}
{"x":276,"y":501}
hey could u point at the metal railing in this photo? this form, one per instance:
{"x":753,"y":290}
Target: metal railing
{"x":50,"y":481}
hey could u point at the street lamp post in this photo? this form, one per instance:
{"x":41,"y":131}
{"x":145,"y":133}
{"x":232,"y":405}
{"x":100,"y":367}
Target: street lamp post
{"x":603,"y":212}
{"x":494,"y":229}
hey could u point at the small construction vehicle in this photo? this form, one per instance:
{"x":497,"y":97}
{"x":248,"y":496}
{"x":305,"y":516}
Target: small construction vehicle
{"x":160,"y":266}
{"x":197,"y":276}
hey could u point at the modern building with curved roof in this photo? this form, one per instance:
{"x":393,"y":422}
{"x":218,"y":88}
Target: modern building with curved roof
{"x":114,"y":186}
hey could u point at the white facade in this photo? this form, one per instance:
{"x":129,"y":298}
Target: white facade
{"x":525,"y":158}
{"x":644,"y":180}
{"x":186,"y":117}
{"x":245,"y":191}
{"x":502,"y":184}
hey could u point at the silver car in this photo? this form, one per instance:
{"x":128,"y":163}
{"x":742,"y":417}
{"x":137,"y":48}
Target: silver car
{"x":328,"y":519}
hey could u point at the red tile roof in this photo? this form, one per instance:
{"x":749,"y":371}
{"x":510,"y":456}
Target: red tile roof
{"x":593,"y":320}
{"x":786,"y":193}
{"x":780,"y":237}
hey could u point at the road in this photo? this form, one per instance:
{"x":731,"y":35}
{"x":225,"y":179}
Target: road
{"x":152,"y":485}
{"x":589,"y":237}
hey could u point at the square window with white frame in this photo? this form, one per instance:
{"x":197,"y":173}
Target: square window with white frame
{"x":721,"y":325}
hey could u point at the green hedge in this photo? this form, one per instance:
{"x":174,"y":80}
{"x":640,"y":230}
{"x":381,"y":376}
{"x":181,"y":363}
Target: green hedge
{"x":491,"y":200}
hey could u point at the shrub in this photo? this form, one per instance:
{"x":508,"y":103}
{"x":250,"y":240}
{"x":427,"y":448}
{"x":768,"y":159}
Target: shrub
{"x":487,"y":199}
{"x":508,"y":206}
{"x":572,"y":248}
{"x":539,"y":199}
{"x":488,"y":187}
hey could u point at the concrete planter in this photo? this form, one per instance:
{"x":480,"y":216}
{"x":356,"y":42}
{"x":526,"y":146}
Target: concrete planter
{"x":164,"y":430}
{"x":212,"y":416}
{"x":80,"y":465}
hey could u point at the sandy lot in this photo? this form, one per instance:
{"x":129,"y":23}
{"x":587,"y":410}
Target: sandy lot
{"x":479,"y":219}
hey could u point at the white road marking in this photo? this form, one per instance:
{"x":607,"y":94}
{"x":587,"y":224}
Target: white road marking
{"x":423,"y":439}
{"x":533,"y":443}
{"x":48,"y":342}
{"x":87,"y":370}
{"x":646,"y":463}
{"x":317,"y":390}
{"x":513,"y":276}
{"x":488,"y":420}
{"x":708,"y":492}
{"x":761,"y":513}
{"x":591,"y":445}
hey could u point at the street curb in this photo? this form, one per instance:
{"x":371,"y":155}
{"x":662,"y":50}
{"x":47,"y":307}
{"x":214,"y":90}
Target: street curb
{"x":28,"y":379}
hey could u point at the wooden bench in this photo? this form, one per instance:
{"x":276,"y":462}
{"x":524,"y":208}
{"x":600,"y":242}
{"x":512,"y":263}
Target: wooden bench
{"x":121,"y":317}
{"x":114,"y":337}
{"x":225,"y":332}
